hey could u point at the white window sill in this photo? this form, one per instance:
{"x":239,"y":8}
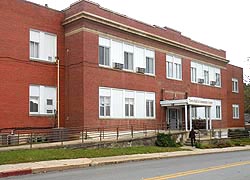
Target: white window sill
{"x":126,"y":70}
{"x":127,"y":118}
{"x":236,"y":118}
{"x":41,"y":115}
{"x":236,"y":92}
{"x":105,"y":66}
{"x":42,"y":60}
{"x":174,"y":79}
{"x":205,"y":84}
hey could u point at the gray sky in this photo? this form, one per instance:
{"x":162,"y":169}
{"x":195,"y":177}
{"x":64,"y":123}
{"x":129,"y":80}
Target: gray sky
{"x":223,"y":24}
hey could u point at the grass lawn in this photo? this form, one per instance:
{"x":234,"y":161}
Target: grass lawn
{"x":21,"y":156}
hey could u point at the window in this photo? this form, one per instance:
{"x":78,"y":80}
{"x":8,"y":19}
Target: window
{"x":42,"y":46}
{"x":34,"y":104}
{"x":149,"y":65}
{"x":206,"y":77}
{"x":235,"y":85}
{"x":194,"y":112}
{"x":207,"y":112}
{"x":218,"y":112}
{"x":104,"y":57}
{"x":217,"y":79}
{"x":149,"y":108}
{"x":129,"y":107}
{"x":193,"y":74}
{"x":42,"y":100}
{"x":104,"y":106}
{"x":128,"y":61}
{"x":170,"y":69}
{"x":236,"y":112}
{"x":34,"y":49}
{"x":174,"y":68}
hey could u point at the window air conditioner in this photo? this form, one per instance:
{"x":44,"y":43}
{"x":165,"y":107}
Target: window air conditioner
{"x":201,"y":81}
{"x":49,"y":109}
{"x":140,"y":70}
{"x":117,"y":66}
{"x":212,"y":83}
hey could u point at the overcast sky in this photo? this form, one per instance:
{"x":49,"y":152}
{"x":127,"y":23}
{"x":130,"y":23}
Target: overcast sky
{"x":223,"y":24}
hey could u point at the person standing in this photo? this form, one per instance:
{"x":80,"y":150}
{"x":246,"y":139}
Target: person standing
{"x":192,"y":137}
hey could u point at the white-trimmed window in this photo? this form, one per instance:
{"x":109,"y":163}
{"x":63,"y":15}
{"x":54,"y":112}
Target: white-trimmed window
{"x":149,"y":108}
{"x":149,"y":65}
{"x":194,"y":112}
{"x":104,"y":106}
{"x":104,"y":51}
{"x":193,"y":74}
{"x":206,"y":77}
{"x":104,"y":57}
{"x":129,"y":107}
{"x":128,"y":61}
{"x":218,"y":112}
{"x":43,"y":46}
{"x":236,"y":111}
{"x":217,"y":80}
{"x":42,"y":100}
{"x":174,"y":67}
{"x":235,"y":87}
{"x":125,"y":104}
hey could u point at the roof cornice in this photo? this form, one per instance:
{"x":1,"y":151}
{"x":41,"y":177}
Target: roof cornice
{"x":144,"y":34}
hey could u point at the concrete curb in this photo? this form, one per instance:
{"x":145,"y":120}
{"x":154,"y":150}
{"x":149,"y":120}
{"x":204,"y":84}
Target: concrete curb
{"x":60,"y":165}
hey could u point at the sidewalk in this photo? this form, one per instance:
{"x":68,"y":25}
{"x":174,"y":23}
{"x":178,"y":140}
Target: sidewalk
{"x":59,"y":165}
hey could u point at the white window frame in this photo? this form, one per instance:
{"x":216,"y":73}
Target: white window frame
{"x":150,"y":108}
{"x":130,"y":102}
{"x":236,"y":111}
{"x":106,"y":59}
{"x":194,"y":112}
{"x":218,"y":79}
{"x":217,"y":112}
{"x":41,"y":99}
{"x":149,"y":66}
{"x":194,"y":74}
{"x":106,"y":104}
{"x":128,"y":61}
{"x":118,"y":101}
{"x":173,"y":67}
{"x":32,"y":99}
{"x":235,"y":85}
{"x":41,"y":45}
{"x":206,"y":77}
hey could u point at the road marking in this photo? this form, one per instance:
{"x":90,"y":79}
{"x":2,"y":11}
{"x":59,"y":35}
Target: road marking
{"x":197,"y":171}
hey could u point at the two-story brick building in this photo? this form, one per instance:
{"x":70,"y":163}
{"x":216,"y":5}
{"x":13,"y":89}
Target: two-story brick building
{"x":113,"y":70}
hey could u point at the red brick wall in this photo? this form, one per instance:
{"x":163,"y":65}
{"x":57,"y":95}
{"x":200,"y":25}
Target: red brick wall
{"x":235,"y":98}
{"x":17,"y":72}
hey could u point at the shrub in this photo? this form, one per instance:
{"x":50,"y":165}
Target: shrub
{"x":165,"y":140}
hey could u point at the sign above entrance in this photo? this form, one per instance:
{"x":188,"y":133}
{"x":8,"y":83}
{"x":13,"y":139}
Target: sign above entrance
{"x":194,"y":101}
{"x":199,"y":101}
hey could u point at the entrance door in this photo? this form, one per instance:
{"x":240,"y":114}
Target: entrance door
{"x":173,"y":119}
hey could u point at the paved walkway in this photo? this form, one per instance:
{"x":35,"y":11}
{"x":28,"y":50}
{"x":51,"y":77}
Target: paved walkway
{"x":59,"y":165}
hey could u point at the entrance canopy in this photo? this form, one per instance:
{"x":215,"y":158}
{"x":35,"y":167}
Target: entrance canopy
{"x":194,"y":101}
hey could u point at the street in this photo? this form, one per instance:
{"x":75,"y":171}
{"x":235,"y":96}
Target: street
{"x":228,"y":166}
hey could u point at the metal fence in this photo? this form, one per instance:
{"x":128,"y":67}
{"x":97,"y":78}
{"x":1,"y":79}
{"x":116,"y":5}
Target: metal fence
{"x":64,"y":136}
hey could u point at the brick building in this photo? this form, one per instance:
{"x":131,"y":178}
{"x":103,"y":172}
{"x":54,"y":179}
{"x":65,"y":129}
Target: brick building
{"x":113,"y":70}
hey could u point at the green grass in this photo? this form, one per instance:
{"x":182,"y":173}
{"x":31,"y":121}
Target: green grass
{"x":241,"y":142}
{"x":21,"y":156}
{"x":220,"y":143}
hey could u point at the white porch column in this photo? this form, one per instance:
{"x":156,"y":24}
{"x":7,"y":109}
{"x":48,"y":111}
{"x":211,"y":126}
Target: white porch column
{"x":186,"y":118}
{"x":207,"y":111}
{"x":190,"y":117}
{"x":210,"y":119}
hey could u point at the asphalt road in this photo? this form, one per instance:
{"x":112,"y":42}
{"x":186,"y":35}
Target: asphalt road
{"x":228,"y":166}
